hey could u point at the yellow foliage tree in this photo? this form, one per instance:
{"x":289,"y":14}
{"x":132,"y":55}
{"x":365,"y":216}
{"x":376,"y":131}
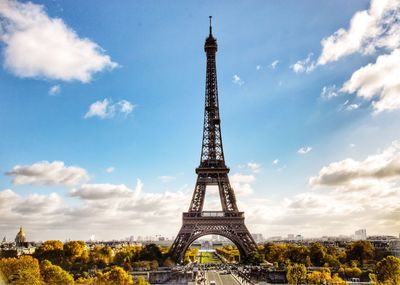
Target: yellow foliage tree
{"x":21,"y":271}
{"x":55,"y":275}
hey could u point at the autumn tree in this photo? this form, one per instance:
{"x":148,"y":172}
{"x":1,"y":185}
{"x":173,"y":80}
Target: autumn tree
{"x":387,"y":271}
{"x":140,"y":281}
{"x":101,"y":256}
{"x":51,"y":250}
{"x":117,"y":275}
{"x":361,"y":251}
{"x":55,"y":275}
{"x":21,"y":271}
{"x":275,"y":252}
{"x":74,"y":250}
{"x":296,"y":273}
{"x":298,"y":254}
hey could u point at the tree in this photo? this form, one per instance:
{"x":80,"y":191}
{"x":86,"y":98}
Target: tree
{"x":101,"y":256}
{"x":74,"y":249}
{"x":361,"y":251}
{"x":22,"y":270}
{"x":55,"y":275}
{"x":51,"y":250}
{"x":117,"y":275}
{"x":151,"y":252}
{"x":298,"y":254}
{"x":387,"y":271}
{"x":296,"y":273}
{"x":140,"y":281}
{"x":275,"y":252}
{"x":254,"y":258}
{"x":317,"y":254}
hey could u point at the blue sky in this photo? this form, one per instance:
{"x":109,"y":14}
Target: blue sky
{"x":143,"y":63}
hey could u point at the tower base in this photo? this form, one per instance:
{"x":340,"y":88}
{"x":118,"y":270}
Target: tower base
{"x":227,"y":224}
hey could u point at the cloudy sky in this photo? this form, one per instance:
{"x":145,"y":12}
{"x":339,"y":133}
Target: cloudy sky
{"x":102,"y":107}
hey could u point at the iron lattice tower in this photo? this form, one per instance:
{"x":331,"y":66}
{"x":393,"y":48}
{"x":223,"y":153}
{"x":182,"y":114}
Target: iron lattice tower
{"x":212,"y":171}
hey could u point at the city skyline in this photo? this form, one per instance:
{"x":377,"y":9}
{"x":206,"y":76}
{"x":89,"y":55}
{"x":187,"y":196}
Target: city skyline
{"x":106,"y":144}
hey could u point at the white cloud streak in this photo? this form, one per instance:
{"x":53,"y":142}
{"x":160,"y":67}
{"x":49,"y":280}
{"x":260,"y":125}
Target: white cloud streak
{"x":39,"y":46}
{"x":329,"y":92}
{"x":349,"y":172}
{"x":48,"y":173}
{"x":54,"y":90}
{"x":306,"y":65}
{"x":304,"y":150}
{"x":274,"y":64}
{"x":106,"y":109}
{"x":237,"y":80}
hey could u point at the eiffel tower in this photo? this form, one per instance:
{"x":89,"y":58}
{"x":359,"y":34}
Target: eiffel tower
{"x":212,"y":170}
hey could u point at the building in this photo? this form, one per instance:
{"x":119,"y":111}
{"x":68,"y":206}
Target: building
{"x":20,"y":239}
{"x":360,"y":234}
{"x":258,"y":238}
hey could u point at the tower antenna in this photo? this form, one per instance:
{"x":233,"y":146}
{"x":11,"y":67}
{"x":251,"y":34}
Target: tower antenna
{"x":210,"y":26}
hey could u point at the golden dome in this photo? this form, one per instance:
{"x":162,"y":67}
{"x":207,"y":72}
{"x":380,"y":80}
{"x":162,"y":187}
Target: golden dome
{"x":20,"y":238}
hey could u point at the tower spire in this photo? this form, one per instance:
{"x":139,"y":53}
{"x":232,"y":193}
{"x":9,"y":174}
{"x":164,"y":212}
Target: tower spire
{"x":210,"y":26}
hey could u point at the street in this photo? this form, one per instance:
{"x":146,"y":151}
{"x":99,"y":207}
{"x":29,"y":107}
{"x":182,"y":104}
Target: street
{"x":220,"y":278}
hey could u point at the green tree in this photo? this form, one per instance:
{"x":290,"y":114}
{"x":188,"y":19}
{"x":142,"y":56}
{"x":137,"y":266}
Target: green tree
{"x":361,"y":251}
{"x":317,"y":254}
{"x":21,"y":271}
{"x":55,"y":275}
{"x":254,"y":258}
{"x":296,"y":273}
{"x":151,"y":252}
{"x":387,"y":271}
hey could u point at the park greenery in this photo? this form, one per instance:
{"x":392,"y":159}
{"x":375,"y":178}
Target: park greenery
{"x":76,"y":262}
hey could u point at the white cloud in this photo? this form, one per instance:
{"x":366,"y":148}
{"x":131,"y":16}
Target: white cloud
{"x":329,"y":92}
{"x":54,"y":90}
{"x":241,"y":183}
{"x":351,"y":173}
{"x":48,"y":173}
{"x":274,"y":64}
{"x":352,"y":145}
{"x":105,"y":191}
{"x":378,"y":27}
{"x":376,"y":30}
{"x":110,"y":169}
{"x":275,"y":161}
{"x":115,"y":211}
{"x":304,"y":150}
{"x":254,"y":166}
{"x":106,"y":109}
{"x":37,"y":45}
{"x":258,"y":67}
{"x":380,"y":80}
{"x":125,"y":106}
{"x":166,"y":178}
{"x":306,"y":65}
{"x":237,"y":80}
{"x":352,"y":107}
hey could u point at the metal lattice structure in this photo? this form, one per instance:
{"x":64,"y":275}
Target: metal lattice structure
{"x":212,"y":171}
